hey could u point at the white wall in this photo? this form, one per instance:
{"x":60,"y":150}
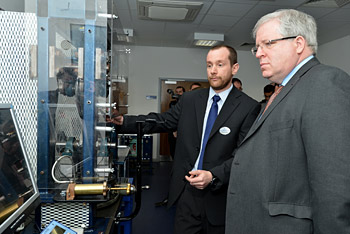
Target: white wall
{"x":336,"y":53}
{"x":30,"y":6}
{"x":148,"y":64}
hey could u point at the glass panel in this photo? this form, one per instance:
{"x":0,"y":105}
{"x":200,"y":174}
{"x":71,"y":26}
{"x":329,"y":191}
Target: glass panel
{"x":77,"y":41}
{"x":16,"y":182}
{"x":77,"y":98}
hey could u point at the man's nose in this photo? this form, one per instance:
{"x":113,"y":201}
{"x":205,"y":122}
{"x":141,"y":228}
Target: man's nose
{"x":213,"y":69}
{"x":260,"y":52}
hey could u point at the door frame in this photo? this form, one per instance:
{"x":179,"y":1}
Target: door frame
{"x":160,"y":92}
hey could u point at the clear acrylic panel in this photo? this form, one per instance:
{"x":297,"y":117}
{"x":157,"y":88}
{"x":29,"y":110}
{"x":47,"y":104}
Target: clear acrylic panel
{"x":77,"y":94}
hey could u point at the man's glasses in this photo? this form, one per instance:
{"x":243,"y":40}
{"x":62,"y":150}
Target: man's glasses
{"x":268,"y":43}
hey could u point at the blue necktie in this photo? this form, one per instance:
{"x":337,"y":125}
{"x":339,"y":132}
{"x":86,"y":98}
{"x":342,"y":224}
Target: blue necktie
{"x":210,"y":122}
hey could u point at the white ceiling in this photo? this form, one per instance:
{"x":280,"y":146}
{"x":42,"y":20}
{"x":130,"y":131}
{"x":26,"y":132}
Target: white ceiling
{"x":13,"y":5}
{"x":233,"y":18}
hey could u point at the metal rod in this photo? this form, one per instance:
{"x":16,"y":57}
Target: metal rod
{"x":33,"y":68}
{"x":138,"y":181}
{"x":104,"y":129}
{"x":80,"y":62}
{"x":106,"y":105}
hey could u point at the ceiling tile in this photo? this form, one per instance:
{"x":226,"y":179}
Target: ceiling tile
{"x":122,"y":4}
{"x":261,"y":10}
{"x":211,"y":29}
{"x":326,"y":26}
{"x":125,"y":19}
{"x":229,"y":9}
{"x":241,"y":32}
{"x":179,"y":28}
{"x":132,"y":4}
{"x":316,"y":12}
{"x":234,"y":18}
{"x":241,"y":1}
{"x":216,"y":20}
{"x":334,"y":32}
{"x":285,"y":3}
{"x":339,"y":15}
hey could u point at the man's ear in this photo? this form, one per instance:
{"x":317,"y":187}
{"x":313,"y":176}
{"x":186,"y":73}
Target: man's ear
{"x":300,"y":44}
{"x":235,"y":68}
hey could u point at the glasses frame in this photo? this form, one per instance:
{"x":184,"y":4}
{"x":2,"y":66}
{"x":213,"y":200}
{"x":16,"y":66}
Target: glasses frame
{"x":268,"y":43}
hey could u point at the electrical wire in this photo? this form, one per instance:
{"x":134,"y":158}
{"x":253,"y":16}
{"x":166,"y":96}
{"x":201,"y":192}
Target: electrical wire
{"x":53,"y":170}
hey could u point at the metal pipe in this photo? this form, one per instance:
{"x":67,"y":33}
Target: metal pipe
{"x":106,"y":105}
{"x":91,"y":189}
{"x":98,"y":144}
{"x":96,"y":189}
{"x":104,"y":170}
{"x":104,"y":129}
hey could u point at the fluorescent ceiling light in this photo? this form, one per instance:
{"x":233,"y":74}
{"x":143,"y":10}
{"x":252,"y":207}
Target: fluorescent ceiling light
{"x":170,"y":82}
{"x":207,"y":39}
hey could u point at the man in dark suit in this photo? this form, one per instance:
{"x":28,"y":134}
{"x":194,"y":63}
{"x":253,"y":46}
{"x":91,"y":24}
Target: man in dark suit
{"x":291,"y":172}
{"x":200,"y":189}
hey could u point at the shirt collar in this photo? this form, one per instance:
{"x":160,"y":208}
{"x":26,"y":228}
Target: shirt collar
{"x":223,"y":95}
{"x":292,"y":73}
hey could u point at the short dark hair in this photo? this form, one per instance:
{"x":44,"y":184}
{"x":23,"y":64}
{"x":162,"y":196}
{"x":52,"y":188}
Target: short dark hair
{"x":269,"y":88}
{"x":195,"y":83}
{"x":233,"y":53}
{"x":235,"y":79}
{"x":181,"y":87}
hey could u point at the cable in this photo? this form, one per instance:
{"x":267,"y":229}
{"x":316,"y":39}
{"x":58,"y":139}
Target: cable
{"x":53,"y":170}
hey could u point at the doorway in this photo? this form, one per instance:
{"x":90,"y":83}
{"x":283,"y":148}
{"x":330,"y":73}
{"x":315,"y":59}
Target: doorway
{"x":165,"y":99}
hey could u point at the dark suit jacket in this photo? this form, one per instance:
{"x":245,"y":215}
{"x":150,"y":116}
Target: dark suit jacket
{"x":237,"y":114}
{"x":291,"y":174}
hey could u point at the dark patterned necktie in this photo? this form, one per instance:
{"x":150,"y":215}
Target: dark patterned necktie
{"x":273,"y":96}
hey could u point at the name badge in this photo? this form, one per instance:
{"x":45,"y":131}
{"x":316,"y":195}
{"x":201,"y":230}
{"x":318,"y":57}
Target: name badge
{"x":225,"y":130}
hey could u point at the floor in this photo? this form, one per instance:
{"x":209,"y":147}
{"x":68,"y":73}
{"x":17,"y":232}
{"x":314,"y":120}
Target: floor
{"x":152,"y":219}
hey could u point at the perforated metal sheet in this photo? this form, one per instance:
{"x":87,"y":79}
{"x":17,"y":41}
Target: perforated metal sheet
{"x":67,"y":117}
{"x":74,"y":215}
{"x":17,"y":32}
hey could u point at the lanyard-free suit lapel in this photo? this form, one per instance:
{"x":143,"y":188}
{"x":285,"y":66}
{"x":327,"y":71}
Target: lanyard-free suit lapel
{"x":284,"y":92}
{"x":201,"y":105}
{"x":229,"y":106}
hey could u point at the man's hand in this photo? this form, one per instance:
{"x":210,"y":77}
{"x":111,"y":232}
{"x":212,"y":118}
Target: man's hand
{"x":116,"y":118}
{"x":200,"y":179}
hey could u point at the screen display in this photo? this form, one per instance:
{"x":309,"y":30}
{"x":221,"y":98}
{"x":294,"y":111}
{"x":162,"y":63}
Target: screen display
{"x":17,"y":187}
{"x":57,"y":230}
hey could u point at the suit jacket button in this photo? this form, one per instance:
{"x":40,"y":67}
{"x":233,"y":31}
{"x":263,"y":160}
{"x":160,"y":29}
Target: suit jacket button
{"x":236,"y":163}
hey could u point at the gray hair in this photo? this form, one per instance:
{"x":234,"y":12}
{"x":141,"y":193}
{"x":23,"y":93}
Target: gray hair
{"x":292,"y":23}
